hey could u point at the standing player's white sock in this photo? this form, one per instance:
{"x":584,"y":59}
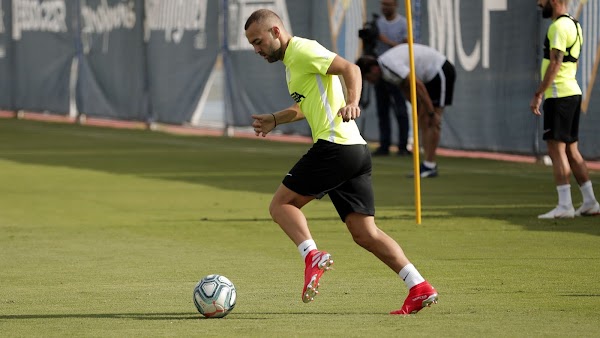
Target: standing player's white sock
{"x":587,"y":191}
{"x":564,"y":195}
{"x":429,"y":165}
{"x":306,"y":247}
{"x":411,"y":276}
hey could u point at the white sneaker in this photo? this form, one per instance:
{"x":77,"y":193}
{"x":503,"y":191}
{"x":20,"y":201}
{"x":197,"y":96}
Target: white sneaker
{"x":559,"y":212}
{"x":588,"y":210}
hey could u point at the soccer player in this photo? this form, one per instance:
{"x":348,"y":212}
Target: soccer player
{"x":338,"y":163}
{"x":562,"y":108}
{"x":435,"y":77}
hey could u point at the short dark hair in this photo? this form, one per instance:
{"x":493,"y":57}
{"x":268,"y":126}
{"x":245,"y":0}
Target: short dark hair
{"x":365,"y":63}
{"x":261,"y":15}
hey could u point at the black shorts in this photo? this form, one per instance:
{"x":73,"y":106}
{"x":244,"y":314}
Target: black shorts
{"x":441,"y":87}
{"x":561,"y":118}
{"x":342,"y":171}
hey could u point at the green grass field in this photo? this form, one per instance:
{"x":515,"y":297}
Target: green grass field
{"x":105,"y":232}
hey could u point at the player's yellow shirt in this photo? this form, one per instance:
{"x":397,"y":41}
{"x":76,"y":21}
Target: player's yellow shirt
{"x":564,"y":34}
{"x":319,"y":95}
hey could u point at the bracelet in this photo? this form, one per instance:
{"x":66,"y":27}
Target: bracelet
{"x":274,"y":120}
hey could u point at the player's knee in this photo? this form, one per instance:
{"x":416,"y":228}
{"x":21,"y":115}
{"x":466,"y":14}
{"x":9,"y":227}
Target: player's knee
{"x":363,"y":235}
{"x":365,"y":240}
{"x":273,"y":209}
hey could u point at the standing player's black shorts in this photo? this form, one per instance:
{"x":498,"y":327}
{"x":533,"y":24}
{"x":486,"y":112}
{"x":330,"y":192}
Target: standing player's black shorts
{"x":561,"y":118}
{"x":342,"y":171}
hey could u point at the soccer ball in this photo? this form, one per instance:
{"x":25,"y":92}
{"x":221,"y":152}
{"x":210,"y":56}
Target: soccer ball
{"x":214,"y":296}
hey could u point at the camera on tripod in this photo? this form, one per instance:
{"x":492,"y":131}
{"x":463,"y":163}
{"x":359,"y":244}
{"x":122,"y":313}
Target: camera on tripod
{"x":369,"y":35}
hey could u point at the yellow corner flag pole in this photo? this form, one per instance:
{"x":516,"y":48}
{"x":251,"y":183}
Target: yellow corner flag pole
{"x":413,"y":103}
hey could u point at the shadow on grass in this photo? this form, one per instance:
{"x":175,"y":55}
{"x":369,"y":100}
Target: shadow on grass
{"x":226,"y":163}
{"x":139,"y":316}
{"x":334,"y":218}
{"x":178,"y":315}
{"x":467,"y":188}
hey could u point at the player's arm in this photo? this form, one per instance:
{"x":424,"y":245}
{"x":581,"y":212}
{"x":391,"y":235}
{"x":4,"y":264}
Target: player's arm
{"x":556,"y":57}
{"x":264,"y":123}
{"x":353,"y":82}
{"x":290,"y":114}
{"x":387,"y":40}
{"x":423,"y":98}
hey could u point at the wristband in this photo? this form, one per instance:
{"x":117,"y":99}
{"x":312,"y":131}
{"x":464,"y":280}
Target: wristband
{"x":274,"y":120}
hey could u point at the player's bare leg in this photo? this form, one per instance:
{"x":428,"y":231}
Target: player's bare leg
{"x":562,"y":174}
{"x":285,"y":211}
{"x":590,"y":206}
{"x":560,"y":162}
{"x":577,"y":163}
{"x":430,"y":126}
{"x":366,"y":234}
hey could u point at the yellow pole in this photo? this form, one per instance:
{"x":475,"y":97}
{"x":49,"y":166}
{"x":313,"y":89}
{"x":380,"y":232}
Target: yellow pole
{"x":413,"y":102}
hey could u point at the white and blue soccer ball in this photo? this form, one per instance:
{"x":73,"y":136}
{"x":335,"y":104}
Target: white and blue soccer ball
{"x":214,"y":296}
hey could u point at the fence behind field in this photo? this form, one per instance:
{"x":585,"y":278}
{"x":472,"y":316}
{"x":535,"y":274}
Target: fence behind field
{"x":187,"y":62}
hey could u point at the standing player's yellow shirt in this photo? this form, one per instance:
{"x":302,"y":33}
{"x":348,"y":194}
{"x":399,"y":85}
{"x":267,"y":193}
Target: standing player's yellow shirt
{"x":566,"y":36}
{"x":319,"y":95}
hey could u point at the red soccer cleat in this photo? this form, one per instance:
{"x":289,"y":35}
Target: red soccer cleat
{"x":420,"y":296}
{"x":317,"y":262}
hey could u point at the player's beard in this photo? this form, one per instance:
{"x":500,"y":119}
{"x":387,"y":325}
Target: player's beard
{"x":275,"y":55}
{"x":547,"y":10}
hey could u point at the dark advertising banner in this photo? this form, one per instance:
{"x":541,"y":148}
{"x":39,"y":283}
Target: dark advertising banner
{"x":494,"y":82}
{"x":43,"y":50}
{"x":255,"y":85}
{"x":112,"y":62}
{"x":6,"y":76}
{"x":496,"y":48}
{"x":182,"y":47}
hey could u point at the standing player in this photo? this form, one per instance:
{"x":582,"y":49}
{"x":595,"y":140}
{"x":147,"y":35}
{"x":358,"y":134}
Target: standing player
{"x":435,"y":77}
{"x":392,"y":31}
{"x":338,"y":163}
{"x":562,"y":108}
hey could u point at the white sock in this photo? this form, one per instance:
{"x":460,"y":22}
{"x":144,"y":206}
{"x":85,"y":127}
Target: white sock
{"x":429,"y":165}
{"x":564,"y":195}
{"x":587,"y":191}
{"x":306,"y":247}
{"x":411,"y":276}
